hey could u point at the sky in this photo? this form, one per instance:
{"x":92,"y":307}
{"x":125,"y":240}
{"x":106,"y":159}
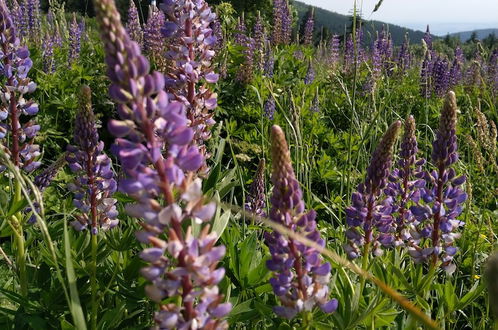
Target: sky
{"x":443,"y":16}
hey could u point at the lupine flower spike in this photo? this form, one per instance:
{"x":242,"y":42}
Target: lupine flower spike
{"x":300,"y":276}
{"x":74,"y":41}
{"x":94,"y":185}
{"x":154,"y":146}
{"x":369,"y":217}
{"x":403,"y":184}
{"x":255,"y":200}
{"x":43,"y":180}
{"x":191,"y":76}
{"x":309,"y":28}
{"x":133,"y":26}
{"x":16,"y":133}
{"x":441,"y":201}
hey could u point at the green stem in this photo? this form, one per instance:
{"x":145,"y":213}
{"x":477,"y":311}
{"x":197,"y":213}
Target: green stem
{"x":93,"y":283}
{"x":307,"y":320}
{"x":364,"y":265}
{"x":19,"y":242}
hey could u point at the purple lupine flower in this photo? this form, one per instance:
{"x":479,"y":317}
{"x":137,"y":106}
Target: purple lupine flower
{"x":459,"y":56}
{"x":17,"y":132}
{"x":310,"y":74}
{"x":333,"y":52}
{"x":218,"y":33}
{"x":43,"y":180}
{"x":154,"y":145}
{"x":259,"y":42}
{"x":298,"y":55}
{"x":50,"y":17}
{"x":404,"y":60}
{"x":377,"y":57}
{"x":269,"y":107}
{"x":473,"y":75}
{"x":315,"y":104}
{"x":428,"y":38}
{"x":492,"y":71}
{"x":21,"y":19}
{"x":133,"y":26}
{"x":269,"y":63}
{"x":369,"y":217}
{"x":349,"y":54}
{"x":403,"y":184}
{"x":16,"y":13}
{"x":426,"y":76}
{"x":278,"y":14}
{"x":74,"y":41}
{"x":286,"y":23}
{"x":48,"y":54}
{"x":240,"y":32}
{"x":190,"y":48}
{"x":455,"y":74}
{"x":153,"y":41}
{"x":308,"y":29}
{"x":282,"y":23}
{"x":440,"y":77}
{"x":256,"y":198}
{"x":245,"y":73}
{"x":300,"y":276}
{"x":246,"y":69}
{"x":388,"y":56}
{"x":34,"y":19}
{"x":82,"y":29}
{"x":94,"y":184}
{"x":441,"y":199}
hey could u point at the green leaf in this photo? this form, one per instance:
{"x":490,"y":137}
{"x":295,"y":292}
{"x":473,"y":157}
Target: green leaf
{"x":472,"y":295}
{"x":213,"y":178}
{"x":75,"y":304}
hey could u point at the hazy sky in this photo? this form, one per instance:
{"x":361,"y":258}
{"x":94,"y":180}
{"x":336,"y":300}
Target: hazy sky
{"x":443,"y":16}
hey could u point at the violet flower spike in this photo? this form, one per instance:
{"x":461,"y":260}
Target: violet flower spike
{"x":403,"y":186}
{"x":154,"y":145}
{"x":269,"y":107}
{"x":333,"y":50}
{"x":133,"y":26}
{"x":441,"y":199}
{"x":369,"y":216}
{"x":17,"y":133}
{"x":94,"y":184}
{"x":309,"y":28}
{"x":310,"y":74}
{"x":48,"y":54}
{"x":300,"y":276}
{"x":43,"y":180}
{"x":190,"y":47}
{"x":269,"y":66}
{"x":426,"y":76}
{"x":259,"y":38}
{"x":74,"y":41}
{"x":153,"y":41}
{"x":256,"y":197}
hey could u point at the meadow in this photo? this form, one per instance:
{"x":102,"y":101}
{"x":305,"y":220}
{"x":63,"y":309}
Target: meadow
{"x":188,"y":166}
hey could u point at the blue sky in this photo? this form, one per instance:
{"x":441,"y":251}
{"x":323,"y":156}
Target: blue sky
{"x":443,"y":16}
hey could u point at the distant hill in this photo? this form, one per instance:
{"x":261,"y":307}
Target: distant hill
{"x":481,"y":34}
{"x":338,"y":24}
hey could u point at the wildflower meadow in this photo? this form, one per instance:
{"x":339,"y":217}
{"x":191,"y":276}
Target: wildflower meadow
{"x":197,"y":164}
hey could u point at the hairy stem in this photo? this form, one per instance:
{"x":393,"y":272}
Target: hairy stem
{"x":93,"y":283}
